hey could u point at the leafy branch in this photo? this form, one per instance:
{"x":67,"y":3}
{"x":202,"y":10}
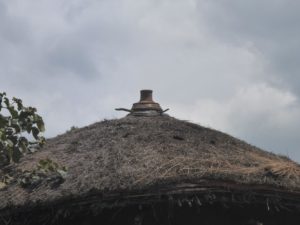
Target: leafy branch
{"x":46,"y":170}
{"x":20,"y":130}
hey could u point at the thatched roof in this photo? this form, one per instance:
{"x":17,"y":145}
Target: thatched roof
{"x":140,"y":154}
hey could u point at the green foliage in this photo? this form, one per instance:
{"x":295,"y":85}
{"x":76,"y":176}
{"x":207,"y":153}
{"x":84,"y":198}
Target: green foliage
{"x":20,"y":133}
{"x":46,"y":170}
{"x":47,"y":165}
{"x":15,"y":121}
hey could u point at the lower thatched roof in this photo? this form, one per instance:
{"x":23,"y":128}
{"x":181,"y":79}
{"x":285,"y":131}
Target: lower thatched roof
{"x":135,"y":154}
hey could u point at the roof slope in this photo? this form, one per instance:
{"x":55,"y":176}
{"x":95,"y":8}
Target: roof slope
{"x":134,"y":153}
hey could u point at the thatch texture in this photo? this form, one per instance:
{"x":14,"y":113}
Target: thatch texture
{"x":134,"y":153}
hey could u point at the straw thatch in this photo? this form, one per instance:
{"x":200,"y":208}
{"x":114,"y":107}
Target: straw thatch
{"x":135,"y":154}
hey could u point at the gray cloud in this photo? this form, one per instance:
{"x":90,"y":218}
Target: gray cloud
{"x":270,"y":26}
{"x":231,"y":66}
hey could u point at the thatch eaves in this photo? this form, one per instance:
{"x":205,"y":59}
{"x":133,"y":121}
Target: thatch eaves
{"x":140,"y":157}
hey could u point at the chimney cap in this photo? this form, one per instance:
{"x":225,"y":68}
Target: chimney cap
{"x":146,"y":106}
{"x":146,"y":103}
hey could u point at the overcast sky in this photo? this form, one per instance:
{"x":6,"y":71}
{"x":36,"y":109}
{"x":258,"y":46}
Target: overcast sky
{"x":230,"y":65}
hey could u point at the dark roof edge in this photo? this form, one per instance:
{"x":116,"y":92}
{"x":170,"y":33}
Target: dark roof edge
{"x":205,"y":192}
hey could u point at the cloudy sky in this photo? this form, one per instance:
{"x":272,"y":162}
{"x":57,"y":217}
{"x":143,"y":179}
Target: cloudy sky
{"x":230,"y":65}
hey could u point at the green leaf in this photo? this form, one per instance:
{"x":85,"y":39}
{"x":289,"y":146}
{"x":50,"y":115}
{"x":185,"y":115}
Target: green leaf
{"x":17,"y":128}
{"x":35,"y":132}
{"x":42,"y":141}
{"x":23,"y":143}
{"x":2,"y":136}
{"x":32,"y":110}
{"x":17,"y":120}
{"x":6,"y":101}
{"x":28,"y":129}
{"x":40,"y":124}
{"x":13,"y":112}
{"x":9,"y":143}
{"x":13,"y":138}
{"x":3,"y":121}
{"x":9,"y":153}
{"x":19,"y":103}
{"x":23,"y":115}
{"x":17,"y":154}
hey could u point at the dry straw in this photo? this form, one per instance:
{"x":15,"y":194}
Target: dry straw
{"x":134,"y":153}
